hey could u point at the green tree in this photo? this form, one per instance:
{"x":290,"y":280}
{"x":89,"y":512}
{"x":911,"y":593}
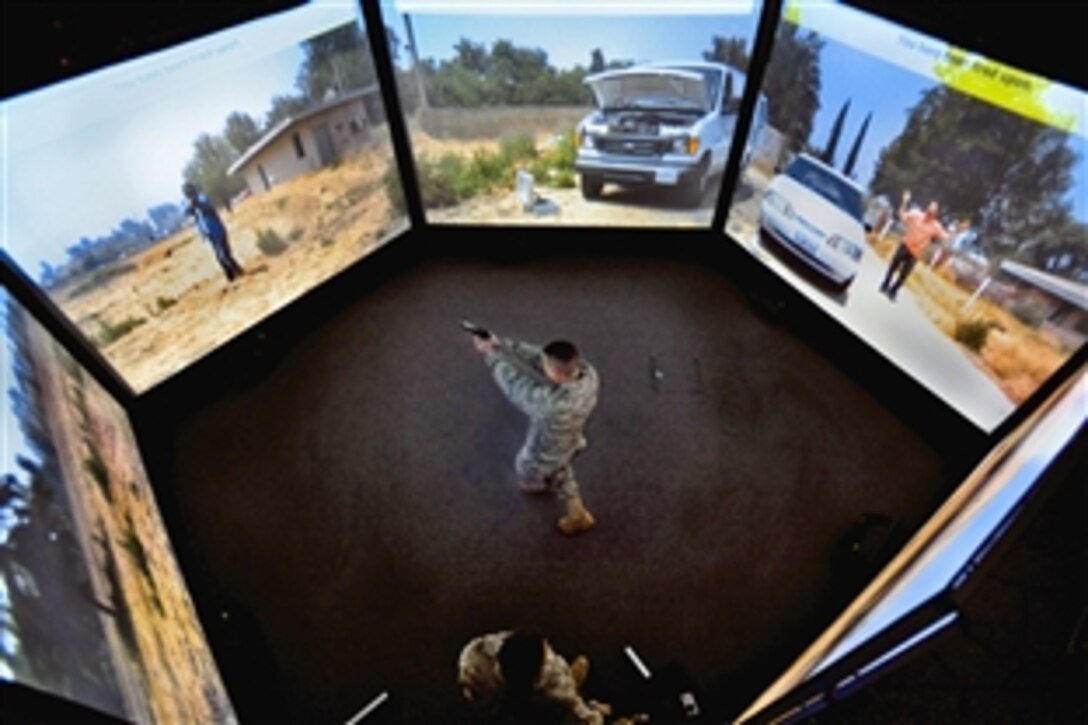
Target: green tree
{"x":212,"y":156}
{"x":472,"y":56}
{"x":284,"y":106}
{"x":338,"y":61}
{"x":241,"y":131}
{"x":1007,"y":173}
{"x":731,"y":51}
{"x":855,"y":148}
{"x":507,"y":75}
{"x":792,"y":83}
{"x":828,"y":153}
{"x":596,"y":61}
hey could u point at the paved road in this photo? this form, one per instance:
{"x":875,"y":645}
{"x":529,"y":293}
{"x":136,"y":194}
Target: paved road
{"x":899,"y":329}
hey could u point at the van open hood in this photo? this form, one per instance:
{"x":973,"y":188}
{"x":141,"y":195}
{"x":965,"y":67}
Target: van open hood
{"x":651,"y":88}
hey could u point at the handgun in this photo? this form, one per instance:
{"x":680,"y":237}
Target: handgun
{"x":475,"y":329}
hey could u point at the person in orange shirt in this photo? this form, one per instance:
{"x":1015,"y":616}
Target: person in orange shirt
{"x":921,"y":229}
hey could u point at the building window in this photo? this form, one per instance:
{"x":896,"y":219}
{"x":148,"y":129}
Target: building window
{"x":299,"y":151}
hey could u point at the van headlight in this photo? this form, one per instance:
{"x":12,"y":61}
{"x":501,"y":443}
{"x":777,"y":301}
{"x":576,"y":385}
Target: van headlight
{"x":585,"y":139}
{"x":685,"y":145}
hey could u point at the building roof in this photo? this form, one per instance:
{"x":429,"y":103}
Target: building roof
{"x":1072,"y":292}
{"x":280,"y":128}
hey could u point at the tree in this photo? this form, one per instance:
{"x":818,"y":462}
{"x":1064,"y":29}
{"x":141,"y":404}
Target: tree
{"x":731,"y":51}
{"x":1006,"y":172}
{"x":241,"y":131}
{"x":792,"y":84}
{"x":335,"y":62}
{"x":596,"y":61}
{"x":212,"y":156}
{"x":855,"y":148}
{"x":166,"y":218}
{"x":828,"y":154}
{"x":284,"y":107}
{"x":471,"y":56}
{"x":507,"y":75}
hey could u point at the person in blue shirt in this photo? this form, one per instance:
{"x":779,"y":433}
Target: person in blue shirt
{"x":211,"y":227}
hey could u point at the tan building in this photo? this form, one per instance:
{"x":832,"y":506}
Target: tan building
{"x":310,"y":140}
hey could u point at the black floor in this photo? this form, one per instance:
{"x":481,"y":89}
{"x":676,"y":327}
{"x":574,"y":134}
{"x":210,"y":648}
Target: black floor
{"x":355,"y":514}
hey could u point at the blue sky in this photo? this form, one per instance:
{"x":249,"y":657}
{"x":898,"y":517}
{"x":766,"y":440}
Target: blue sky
{"x":80,"y":157}
{"x":889,"y":92}
{"x":569,"y":40}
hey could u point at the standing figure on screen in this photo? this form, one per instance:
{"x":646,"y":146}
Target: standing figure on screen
{"x":557,"y":389}
{"x":211,"y":227}
{"x":921,"y":229}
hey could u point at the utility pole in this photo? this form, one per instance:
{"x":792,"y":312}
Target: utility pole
{"x":417,"y":68}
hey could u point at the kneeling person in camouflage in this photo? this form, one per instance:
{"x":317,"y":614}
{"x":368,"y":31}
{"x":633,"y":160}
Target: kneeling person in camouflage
{"x":557,"y":389}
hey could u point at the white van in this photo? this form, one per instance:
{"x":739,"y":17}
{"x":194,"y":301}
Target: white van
{"x":668,"y":125}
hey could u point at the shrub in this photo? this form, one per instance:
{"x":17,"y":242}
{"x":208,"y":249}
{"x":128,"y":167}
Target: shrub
{"x":564,"y":179}
{"x":517,"y":148}
{"x":394,"y":190}
{"x":565,"y":152}
{"x":131,"y":543}
{"x":100,"y":474}
{"x":112,"y":333}
{"x":165,"y":303}
{"x":270,"y":243}
{"x":439,"y":180}
{"x":486,"y":171}
{"x":972,"y":333}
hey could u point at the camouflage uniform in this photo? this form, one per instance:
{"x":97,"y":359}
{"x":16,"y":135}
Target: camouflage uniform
{"x":557,"y":413}
{"x":479,"y":675}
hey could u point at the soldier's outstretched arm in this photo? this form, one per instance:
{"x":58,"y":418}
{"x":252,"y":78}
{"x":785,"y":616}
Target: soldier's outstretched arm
{"x":528,"y":392}
{"x":523,"y":351}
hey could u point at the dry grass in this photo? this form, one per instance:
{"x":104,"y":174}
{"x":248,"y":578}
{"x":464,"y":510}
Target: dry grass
{"x":328,"y":219}
{"x":153,"y":639}
{"x":1017,"y":357}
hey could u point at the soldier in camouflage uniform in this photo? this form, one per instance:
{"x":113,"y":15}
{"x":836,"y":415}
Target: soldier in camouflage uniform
{"x":517,"y":673}
{"x":557,"y":389}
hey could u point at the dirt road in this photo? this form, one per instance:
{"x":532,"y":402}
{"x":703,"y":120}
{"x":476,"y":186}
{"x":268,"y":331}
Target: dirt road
{"x":897,"y":329}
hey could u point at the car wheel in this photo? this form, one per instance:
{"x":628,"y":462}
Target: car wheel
{"x":591,"y":186}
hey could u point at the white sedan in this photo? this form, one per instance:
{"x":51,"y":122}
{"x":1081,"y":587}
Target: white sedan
{"x":815,"y":212}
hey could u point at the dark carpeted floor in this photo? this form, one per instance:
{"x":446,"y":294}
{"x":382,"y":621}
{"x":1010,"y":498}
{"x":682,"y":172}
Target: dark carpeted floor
{"x":357,"y":508}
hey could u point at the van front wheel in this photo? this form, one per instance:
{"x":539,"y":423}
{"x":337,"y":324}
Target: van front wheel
{"x":592,"y":186}
{"x":692,"y":190}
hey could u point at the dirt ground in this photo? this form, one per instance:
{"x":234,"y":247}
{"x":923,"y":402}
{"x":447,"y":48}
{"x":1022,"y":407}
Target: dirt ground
{"x":157,"y":649}
{"x":565,"y":207}
{"x":182,"y":305}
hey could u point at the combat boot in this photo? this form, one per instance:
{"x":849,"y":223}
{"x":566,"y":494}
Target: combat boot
{"x":578,"y":518}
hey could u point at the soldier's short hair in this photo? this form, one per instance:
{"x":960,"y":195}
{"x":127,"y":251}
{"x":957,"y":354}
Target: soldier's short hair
{"x":561,"y":351}
{"x":521,"y":658}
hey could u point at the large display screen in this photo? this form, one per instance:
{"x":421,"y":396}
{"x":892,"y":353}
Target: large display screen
{"x":168,"y":203}
{"x":94,"y":607}
{"x":933,"y":200}
{"x":574,"y":112}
